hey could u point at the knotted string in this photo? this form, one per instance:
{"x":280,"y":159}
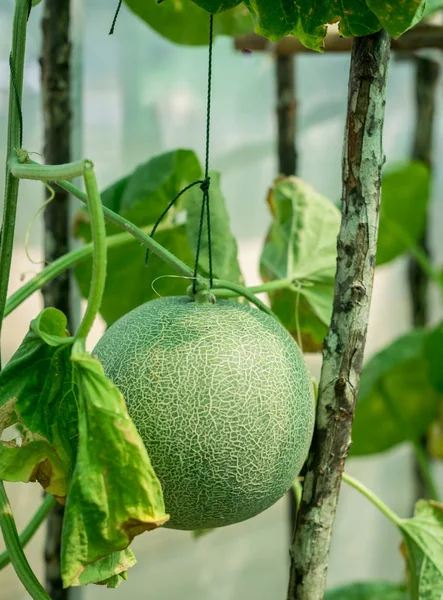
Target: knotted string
{"x":204,"y":184}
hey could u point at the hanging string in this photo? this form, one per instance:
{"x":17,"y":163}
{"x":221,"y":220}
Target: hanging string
{"x":204,"y":184}
{"x":207,"y":181}
{"x":167,"y":209}
{"x":114,"y":21}
{"x":15,"y":86}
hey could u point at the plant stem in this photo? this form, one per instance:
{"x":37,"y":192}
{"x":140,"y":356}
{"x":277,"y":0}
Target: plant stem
{"x":98,"y":278}
{"x":33,"y":170}
{"x":60,"y":265}
{"x":425,"y":470}
{"x":135,"y":231}
{"x":31,"y":528}
{"x":14,"y":134}
{"x":422,"y":459}
{"x":376,"y":501}
{"x":269,"y":286}
{"x":422,"y":261}
{"x":344,"y":345}
{"x":70,"y":259}
{"x":296,"y":491}
{"x":155,"y":247}
{"x":396,"y":520}
{"x":242,"y":291}
{"x":15,"y":551}
{"x":164,"y":254}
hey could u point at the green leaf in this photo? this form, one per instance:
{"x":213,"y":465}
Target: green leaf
{"x":403,"y":213}
{"x":371,"y":590}
{"x":308,"y":21}
{"x":301,"y":247}
{"x":432,"y":6}
{"x":397,"y":16}
{"x":142,"y":197}
{"x":37,"y":395}
{"x":77,"y":440}
{"x":217,"y":6}
{"x":114,"y":493}
{"x":423,"y":535}
{"x":183,"y":22}
{"x":109,"y":571}
{"x":397,"y":401}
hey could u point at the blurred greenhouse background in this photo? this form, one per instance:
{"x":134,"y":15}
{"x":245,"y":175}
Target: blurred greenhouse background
{"x":142,"y":95}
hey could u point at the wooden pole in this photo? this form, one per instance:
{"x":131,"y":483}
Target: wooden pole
{"x":56,"y":91}
{"x":421,"y":36}
{"x":286,"y":114}
{"x":427,"y":73}
{"x":345,"y":343}
{"x":287,"y":163}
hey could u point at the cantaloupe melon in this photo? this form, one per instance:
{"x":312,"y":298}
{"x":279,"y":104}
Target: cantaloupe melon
{"x":222,"y":398}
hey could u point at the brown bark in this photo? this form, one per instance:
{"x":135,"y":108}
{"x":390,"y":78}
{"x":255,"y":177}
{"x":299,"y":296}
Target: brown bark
{"x":345,"y":343}
{"x":55,"y":73}
{"x":286,"y":115}
{"x":426,"y":80}
{"x":287,"y":163}
{"x":421,"y":36}
{"x":427,"y":76}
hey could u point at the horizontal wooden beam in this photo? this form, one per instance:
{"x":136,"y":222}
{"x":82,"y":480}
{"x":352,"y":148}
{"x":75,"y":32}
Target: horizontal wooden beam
{"x":421,"y":36}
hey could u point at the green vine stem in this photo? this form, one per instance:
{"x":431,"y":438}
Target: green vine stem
{"x":61,"y":265}
{"x":15,"y":551}
{"x":424,"y":464}
{"x":297,"y":490}
{"x":397,"y":521}
{"x":376,"y":501}
{"x":23,"y":168}
{"x":269,"y":286}
{"x":418,"y":254}
{"x":242,"y":291}
{"x":13,"y":144}
{"x":98,"y":257}
{"x":70,"y":259}
{"x":135,"y":231}
{"x":149,"y":242}
{"x":31,"y":528}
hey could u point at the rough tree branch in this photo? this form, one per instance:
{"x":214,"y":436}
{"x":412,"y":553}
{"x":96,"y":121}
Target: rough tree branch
{"x":345,"y":342}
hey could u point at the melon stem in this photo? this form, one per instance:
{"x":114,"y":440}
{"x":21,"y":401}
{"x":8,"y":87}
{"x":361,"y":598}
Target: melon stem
{"x":99,"y":253}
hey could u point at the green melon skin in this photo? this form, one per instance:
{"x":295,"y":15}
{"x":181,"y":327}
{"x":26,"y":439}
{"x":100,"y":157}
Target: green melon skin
{"x":222,"y":399}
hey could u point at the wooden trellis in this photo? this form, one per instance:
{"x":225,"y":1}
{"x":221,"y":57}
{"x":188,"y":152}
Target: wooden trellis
{"x":420,"y":37}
